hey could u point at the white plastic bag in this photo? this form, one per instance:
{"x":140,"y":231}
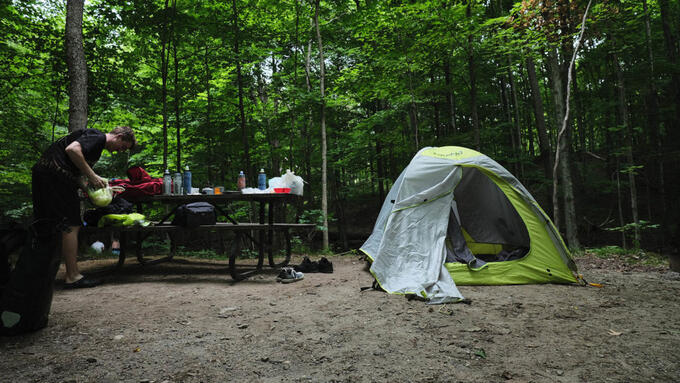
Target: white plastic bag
{"x":277,"y":182}
{"x":98,"y":247}
{"x":295,"y":183}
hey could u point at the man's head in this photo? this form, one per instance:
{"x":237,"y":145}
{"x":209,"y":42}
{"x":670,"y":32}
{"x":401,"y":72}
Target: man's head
{"x":120,"y":139}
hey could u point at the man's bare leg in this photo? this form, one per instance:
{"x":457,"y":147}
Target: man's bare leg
{"x":69,"y":252}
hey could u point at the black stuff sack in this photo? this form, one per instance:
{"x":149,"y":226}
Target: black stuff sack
{"x":27,"y":297}
{"x":195,"y":214}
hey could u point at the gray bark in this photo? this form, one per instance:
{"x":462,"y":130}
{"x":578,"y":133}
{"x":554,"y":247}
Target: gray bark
{"x":77,"y":67}
{"x":239,"y":80}
{"x":324,"y":164}
{"x":539,"y":116}
{"x":623,"y":115}
{"x":165,"y":58}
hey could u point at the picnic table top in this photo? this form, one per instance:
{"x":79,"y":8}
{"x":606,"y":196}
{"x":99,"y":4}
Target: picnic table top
{"x":225,"y":196}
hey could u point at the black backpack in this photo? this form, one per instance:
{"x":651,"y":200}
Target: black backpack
{"x":27,"y":297}
{"x":195,"y":214}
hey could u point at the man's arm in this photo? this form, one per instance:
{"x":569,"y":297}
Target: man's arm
{"x":75,"y":152}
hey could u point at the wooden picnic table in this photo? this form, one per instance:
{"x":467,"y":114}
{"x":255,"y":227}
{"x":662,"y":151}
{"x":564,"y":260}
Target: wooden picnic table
{"x":247,"y":235}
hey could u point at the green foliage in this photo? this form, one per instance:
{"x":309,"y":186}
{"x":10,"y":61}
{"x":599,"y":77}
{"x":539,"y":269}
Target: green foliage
{"x":314,"y":216}
{"x":394,"y":71}
{"x":636,"y":257}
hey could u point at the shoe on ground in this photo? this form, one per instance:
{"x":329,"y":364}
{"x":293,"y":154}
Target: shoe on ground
{"x":307,"y":266}
{"x":83,"y":283}
{"x":288,"y":275}
{"x":325,"y":266}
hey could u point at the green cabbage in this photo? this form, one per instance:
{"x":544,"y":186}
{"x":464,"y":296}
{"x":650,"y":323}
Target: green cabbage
{"x":100,"y":197}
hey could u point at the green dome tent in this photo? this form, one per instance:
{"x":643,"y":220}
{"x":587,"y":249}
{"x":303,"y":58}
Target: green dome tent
{"x":455,"y":216}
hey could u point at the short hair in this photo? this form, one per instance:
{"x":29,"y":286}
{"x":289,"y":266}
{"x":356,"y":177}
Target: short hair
{"x":126,"y":134}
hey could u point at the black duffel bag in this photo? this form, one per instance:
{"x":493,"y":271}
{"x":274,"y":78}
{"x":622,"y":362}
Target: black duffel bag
{"x":195,"y":214}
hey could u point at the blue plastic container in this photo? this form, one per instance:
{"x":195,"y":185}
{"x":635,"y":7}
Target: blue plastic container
{"x":262,"y":180}
{"x":187,"y":180}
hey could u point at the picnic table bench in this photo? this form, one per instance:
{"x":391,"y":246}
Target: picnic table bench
{"x":258,"y":235}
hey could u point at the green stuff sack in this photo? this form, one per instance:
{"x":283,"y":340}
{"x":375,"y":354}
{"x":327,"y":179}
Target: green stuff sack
{"x":131,"y":219}
{"x":100,"y":197}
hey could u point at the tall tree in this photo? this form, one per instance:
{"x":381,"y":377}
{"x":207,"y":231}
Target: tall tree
{"x":539,"y":117}
{"x":77,"y":67}
{"x":239,"y":84}
{"x":324,"y":159}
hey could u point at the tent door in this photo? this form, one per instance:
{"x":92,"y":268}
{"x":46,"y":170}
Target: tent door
{"x":456,"y":247}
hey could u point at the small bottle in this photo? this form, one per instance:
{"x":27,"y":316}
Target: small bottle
{"x":186,"y":182}
{"x":262,"y":180}
{"x":241,"y":181}
{"x":167,"y":183}
{"x":177,"y":184}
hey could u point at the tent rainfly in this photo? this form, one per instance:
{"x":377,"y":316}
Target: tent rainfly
{"x":455,"y":214}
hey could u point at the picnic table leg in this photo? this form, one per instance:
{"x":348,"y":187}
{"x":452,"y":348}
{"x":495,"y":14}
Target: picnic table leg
{"x":270,"y":234}
{"x":260,"y":260}
{"x":123,"y":246}
{"x":138,"y":248}
{"x":286,"y":241}
{"x":236,"y":245}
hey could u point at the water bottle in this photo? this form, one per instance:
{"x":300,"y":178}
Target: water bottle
{"x":167,"y":183}
{"x":262,"y":180}
{"x":177,"y":184}
{"x":186,"y":182}
{"x":241,"y":182}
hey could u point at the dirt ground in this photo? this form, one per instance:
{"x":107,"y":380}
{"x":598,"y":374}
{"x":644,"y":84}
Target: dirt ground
{"x":186,"y":321}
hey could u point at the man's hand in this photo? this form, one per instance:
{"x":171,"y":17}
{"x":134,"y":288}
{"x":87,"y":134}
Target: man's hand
{"x":97,"y":182}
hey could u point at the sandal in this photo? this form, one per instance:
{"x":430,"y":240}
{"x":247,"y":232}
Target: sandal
{"x":83,"y":283}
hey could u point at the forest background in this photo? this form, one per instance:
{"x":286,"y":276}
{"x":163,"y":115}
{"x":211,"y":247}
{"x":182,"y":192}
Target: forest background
{"x":344,"y":93}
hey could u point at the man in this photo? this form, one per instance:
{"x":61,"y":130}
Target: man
{"x":56,"y":178}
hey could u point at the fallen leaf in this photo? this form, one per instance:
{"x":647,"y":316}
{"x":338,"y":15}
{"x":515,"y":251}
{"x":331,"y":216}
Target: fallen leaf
{"x":137,"y":349}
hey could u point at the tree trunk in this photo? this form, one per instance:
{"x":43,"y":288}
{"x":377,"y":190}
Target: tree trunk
{"x":413,"y":112}
{"x":623,"y":116}
{"x":518,"y":128}
{"x":473,"y":84}
{"x":208,"y":116}
{"x":293,"y":112}
{"x":307,"y":128}
{"x":435,"y":110}
{"x":564,"y":136}
{"x":539,"y":116}
{"x":165,"y":58}
{"x":324,"y":170}
{"x":340,"y":210}
{"x":672,"y":48}
{"x":380,"y":169}
{"x":505,"y":104}
{"x":620,"y":204}
{"x":177,"y":97}
{"x":562,"y":172}
{"x":450,"y":99}
{"x":558,"y":101}
{"x":239,"y":81}
{"x":655,"y":132}
{"x":77,"y":67}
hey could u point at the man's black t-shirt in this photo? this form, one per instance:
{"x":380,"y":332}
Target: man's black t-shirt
{"x":92,"y":143}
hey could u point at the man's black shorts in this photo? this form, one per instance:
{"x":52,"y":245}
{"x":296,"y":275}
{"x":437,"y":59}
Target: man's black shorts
{"x":55,"y":197}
